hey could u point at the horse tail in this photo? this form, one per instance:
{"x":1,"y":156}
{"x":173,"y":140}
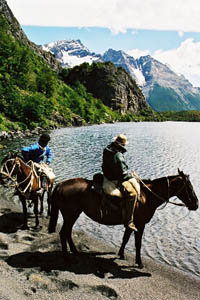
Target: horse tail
{"x":54,"y":211}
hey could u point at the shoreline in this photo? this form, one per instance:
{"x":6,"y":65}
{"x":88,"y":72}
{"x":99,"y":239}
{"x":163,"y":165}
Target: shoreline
{"x":32,"y":267}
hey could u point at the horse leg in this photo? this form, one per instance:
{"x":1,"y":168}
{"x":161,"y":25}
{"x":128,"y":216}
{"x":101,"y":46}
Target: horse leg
{"x":66,"y":234}
{"x":125,"y":240}
{"x":41,"y":203}
{"x":25,"y":214}
{"x":36,"y":211}
{"x":138,"y":244}
{"x":49,"y":193}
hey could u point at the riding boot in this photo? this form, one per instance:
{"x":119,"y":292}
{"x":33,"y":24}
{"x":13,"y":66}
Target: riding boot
{"x":130,"y":207}
{"x":44,"y":182}
{"x":44,"y":186}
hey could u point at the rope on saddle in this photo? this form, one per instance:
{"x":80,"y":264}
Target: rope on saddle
{"x":29,"y":185}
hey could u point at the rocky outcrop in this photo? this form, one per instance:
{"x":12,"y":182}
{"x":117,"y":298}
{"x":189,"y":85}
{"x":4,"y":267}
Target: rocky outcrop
{"x":114,"y":86}
{"x":163,"y":88}
{"x":18,"y":33}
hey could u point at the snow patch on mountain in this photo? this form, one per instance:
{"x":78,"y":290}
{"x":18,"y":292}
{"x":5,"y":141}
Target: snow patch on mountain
{"x":71,"y":52}
{"x":137,"y":74}
{"x":146,"y":71}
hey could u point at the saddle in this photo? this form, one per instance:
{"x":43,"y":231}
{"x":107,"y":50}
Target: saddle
{"x":115,"y":189}
{"x":108,"y":202}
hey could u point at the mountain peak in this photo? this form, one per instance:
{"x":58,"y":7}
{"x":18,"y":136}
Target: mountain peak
{"x":71,"y":52}
{"x":157,"y":80}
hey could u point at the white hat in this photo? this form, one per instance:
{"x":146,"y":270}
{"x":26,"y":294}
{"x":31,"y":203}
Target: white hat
{"x":121,"y":139}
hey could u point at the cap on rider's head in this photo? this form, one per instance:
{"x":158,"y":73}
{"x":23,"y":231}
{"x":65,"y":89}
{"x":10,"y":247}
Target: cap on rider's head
{"x":121,"y":139}
{"x":45,"y":137}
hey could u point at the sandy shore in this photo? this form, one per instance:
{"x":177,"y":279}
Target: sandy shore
{"x":32,"y":267}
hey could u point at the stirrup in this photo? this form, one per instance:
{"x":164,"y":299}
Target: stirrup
{"x":132,"y":227}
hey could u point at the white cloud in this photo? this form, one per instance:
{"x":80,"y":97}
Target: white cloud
{"x":136,"y":53}
{"x":184,"y":60}
{"x":181,"y":33}
{"x":118,"y":15}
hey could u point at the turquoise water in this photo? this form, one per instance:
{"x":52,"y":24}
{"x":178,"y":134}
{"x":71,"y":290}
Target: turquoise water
{"x":154,"y":150}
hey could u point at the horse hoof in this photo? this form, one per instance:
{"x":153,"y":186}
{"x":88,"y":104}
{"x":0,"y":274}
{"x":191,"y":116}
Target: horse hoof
{"x":121,"y":256}
{"x":75,"y":252}
{"x":140,"y":266}
{"x":37,"y":227}
{"x":24,"y":227}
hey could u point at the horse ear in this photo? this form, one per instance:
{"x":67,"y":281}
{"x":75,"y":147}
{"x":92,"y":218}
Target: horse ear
{"x":180,"y":172}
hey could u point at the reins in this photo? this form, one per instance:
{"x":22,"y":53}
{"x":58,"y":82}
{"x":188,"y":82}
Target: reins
{"x":17,"y":185}
{"x":158,"y":196}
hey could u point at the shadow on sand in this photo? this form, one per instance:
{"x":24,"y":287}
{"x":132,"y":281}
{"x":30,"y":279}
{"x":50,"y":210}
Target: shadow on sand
{"x":85,"y":263}
{"x":10,"y":221}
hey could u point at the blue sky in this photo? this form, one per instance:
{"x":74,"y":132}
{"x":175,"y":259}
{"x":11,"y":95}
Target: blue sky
{"x":167,"y":30}
{"x":101,"y":39}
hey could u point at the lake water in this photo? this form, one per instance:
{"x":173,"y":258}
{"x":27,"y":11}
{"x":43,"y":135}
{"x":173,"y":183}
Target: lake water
{"x":154,"y":150}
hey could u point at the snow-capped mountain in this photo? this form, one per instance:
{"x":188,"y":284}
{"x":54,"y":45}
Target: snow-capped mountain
{"x":71,"y":53}
{"x":131,"y":65}
{"x":162,"y":87}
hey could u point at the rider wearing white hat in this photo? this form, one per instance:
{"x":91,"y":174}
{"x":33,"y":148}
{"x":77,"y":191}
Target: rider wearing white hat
{"x":115,"y":168}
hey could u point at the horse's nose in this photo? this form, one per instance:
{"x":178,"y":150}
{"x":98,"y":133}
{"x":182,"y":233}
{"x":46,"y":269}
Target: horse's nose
{"x":1,"y":180}
{"x":194,"y":207}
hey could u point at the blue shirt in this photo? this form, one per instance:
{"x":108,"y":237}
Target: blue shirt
{"x":37,"y":154}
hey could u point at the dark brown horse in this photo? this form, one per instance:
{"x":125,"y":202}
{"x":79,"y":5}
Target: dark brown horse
{"x":76,"y":195}
{"x":24,"y":178}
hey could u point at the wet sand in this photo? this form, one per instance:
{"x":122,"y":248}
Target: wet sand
{"x":32,"y":267}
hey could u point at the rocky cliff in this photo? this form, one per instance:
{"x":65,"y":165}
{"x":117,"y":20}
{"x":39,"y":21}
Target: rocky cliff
{"x":163,"y":88}
{"x":19,"y":34}
{"x":114,"y":86}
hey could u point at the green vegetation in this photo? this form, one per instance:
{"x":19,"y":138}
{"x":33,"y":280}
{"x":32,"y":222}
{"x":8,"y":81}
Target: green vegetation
{"x":32,"y":95}
{"x":164,"y":99}
{"x":188,"y":116}
{"x":194,"y":100}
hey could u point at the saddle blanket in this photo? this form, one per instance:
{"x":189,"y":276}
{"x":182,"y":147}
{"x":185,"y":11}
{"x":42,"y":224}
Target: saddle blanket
{"x":131,"y":185}
{"x":45,"y":169}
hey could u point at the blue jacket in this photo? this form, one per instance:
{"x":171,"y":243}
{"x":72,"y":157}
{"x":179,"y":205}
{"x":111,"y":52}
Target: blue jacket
{"x":37,"y":154}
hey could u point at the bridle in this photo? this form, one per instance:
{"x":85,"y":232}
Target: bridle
{"x":168,"y":187}
{"x":9,"y":174}
{"x":183,"y":186}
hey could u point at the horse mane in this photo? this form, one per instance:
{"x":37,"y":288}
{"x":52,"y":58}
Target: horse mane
{"x":149,"y":181}
{"x":11,"y":155}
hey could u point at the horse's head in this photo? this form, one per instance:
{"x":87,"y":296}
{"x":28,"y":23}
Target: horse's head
{"x":8,"y":167}
{"x":186,"y":192}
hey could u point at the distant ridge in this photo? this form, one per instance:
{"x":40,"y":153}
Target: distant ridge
{"x":163,"y":88}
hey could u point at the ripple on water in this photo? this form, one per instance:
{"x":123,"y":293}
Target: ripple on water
{"x":154,"y":150}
